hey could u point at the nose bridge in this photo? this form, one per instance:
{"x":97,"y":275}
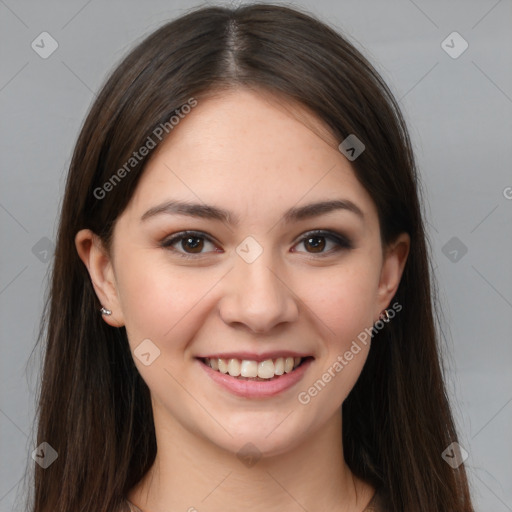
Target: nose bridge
{"x":257,"y":295}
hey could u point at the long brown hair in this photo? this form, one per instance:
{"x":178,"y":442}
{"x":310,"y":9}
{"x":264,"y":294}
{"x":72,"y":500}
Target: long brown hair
{"x":94,"y":408}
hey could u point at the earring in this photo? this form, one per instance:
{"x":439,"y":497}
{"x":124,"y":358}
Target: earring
{"x":105,"y":311}
{"x":384,"y":316}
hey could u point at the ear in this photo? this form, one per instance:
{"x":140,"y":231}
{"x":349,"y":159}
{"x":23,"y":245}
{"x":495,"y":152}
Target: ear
{"x":99,"y":265}
{"x":395,"y":257}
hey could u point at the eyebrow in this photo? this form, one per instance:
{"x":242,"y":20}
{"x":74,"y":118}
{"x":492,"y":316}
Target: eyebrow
{"x":210,"y":212}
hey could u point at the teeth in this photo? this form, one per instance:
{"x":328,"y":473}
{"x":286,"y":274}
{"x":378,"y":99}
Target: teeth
{"x":288,"y":364}
{"x":279,"y":366}
{"x":266,"y":369}
{"x":252,"y":369}
{"x":223,"y":365}
{"x":234,"y":367}
{"x":249,"y":368}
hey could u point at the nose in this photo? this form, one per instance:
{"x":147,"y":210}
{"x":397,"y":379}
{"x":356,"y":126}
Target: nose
{"x":257,"y":296}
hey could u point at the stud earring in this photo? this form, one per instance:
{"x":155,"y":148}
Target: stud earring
{"x":384,"y":316}
{"x":105,"y":311}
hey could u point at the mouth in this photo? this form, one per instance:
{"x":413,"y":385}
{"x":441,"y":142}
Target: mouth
{"x":251,"y":370}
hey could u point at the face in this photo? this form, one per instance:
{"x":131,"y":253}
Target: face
{"x":248,"y":239}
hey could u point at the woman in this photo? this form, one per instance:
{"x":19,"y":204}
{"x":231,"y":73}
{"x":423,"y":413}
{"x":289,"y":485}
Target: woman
{"x":240,"y":313}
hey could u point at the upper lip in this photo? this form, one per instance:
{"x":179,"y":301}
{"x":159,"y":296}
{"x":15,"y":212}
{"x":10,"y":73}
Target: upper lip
{"x":250,"y":356}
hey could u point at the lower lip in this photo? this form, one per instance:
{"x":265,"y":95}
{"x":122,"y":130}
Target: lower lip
{"x":257,"y":388}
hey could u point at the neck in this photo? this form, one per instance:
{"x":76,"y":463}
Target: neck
{"x":192,"y":474}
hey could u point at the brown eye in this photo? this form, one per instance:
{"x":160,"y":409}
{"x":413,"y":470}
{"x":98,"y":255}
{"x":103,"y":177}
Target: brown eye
{"x":315,"y":243}
{"x":193,"y":244}
{"x":189,"y":243}
{"x":323,"y":243}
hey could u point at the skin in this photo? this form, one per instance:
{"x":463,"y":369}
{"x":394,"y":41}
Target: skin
{"x":245,"y":152}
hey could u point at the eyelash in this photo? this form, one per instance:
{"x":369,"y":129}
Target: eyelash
{"x":341,"y":241}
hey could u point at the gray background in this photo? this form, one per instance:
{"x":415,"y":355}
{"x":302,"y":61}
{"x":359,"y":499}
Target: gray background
{"x":459,"y":114}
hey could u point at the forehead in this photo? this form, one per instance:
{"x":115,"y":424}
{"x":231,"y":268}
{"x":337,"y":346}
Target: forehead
{"x":251,"y":151}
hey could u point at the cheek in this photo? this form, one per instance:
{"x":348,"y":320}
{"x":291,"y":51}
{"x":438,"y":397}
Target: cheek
{"x":153,"y":299}
{"x":344,"y":300}
{"x":159,"y":304}
{"x":343,"y":306}
{"x":163,"y":302}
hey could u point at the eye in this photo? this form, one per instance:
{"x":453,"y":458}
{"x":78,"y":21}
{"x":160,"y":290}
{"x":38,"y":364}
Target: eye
{"x":323,"y":242}
{"x":189,"y":243}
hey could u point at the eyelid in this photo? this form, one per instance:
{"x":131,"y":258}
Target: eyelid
{"x":342,"y":241}
{"x":170,"y":240}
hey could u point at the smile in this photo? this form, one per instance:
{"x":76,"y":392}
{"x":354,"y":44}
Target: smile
{"x":246,"y":369}
{"x":248,"y":378}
